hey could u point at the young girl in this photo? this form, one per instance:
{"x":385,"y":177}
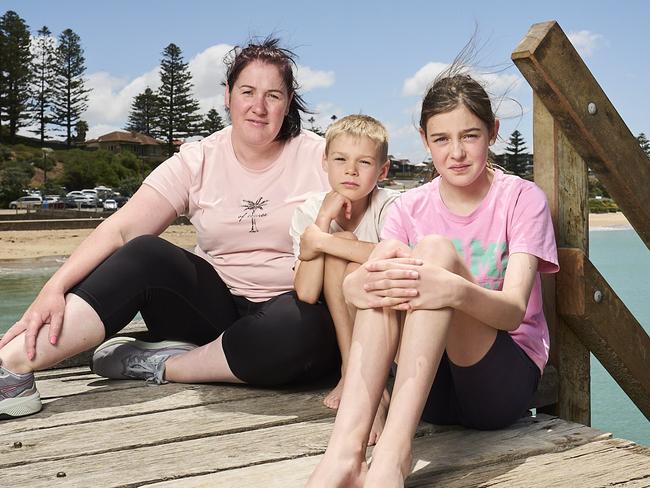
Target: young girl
{"x":455,"y":284}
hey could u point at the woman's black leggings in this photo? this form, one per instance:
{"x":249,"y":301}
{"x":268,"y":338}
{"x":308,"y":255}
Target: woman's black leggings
{"x":181,"y":297}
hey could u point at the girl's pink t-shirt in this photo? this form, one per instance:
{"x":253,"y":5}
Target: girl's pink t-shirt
{"x":513,"y":217}
{"x":242,"y":216}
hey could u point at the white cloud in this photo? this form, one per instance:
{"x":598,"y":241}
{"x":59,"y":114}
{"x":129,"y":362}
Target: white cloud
{"x":496,"y":84}
{"x":419,"y":82}
{"x":110,"y":98}
{"x":309,"y":79}
{"x":208,"y":71}
{"x":585,"y":41}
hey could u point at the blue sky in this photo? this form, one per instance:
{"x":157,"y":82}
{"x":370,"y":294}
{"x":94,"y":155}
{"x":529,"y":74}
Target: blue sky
{"x":355,"y":56}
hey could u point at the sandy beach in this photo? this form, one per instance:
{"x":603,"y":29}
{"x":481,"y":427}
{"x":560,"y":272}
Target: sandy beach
{"x":29,"y":244}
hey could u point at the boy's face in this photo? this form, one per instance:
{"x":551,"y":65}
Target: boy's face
{"x":354,"y":166}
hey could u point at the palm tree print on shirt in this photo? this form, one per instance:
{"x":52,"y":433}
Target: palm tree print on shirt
{"x":250,"y":207}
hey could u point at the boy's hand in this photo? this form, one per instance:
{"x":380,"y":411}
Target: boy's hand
{"x":331,"y":207}
{"x":309,"y":243}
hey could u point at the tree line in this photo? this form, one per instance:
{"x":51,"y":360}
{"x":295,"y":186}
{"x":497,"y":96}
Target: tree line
{"x":42,"y":86}
{"x":41,"y":80}
{"x":171,"y":112}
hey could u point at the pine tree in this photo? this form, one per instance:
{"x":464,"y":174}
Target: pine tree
{"x":178,"y":110}
{"x":81,"y":129}
{"x":43,"y":67}
{"x":644,"y":143}
{"x":70,"y":94}
{"x":211,"y":123}
{"x":16,"y":73}
{"x":144,"y":113}
{"x":516,"y":158}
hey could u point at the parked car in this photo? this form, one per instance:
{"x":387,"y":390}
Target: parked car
{"x":83,"y":202}
{"x":74,"y":193}
{"x":31,"y":201}
{"x":110,"y":204}
{"x":52,"y":201}
{"x":121,"y":200}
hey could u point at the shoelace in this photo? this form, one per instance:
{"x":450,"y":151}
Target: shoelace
{"x":144,"y":367}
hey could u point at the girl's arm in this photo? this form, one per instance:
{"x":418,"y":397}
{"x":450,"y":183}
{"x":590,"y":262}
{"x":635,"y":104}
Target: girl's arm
{"x":438,"y":288}
{"x":147,"y":212}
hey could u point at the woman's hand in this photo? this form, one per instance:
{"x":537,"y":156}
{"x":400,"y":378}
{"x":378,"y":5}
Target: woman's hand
{"x":309,"y":243}
{"x":47,"y":308}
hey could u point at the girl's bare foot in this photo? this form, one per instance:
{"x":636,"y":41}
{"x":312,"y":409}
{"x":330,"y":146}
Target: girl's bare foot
{"x":333,"y":398}
{"x":388,"y":470}
{"x":338,"y":473}
{"x":380,"y":419}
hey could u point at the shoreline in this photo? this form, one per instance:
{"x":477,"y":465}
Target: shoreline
{"x":52,"y":246}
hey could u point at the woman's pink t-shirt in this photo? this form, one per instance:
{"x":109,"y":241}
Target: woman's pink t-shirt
{"x":242,"y":216}
{"x":513,"y":217}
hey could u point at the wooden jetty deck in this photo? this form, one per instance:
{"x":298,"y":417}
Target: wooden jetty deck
{"x":94,"y":432}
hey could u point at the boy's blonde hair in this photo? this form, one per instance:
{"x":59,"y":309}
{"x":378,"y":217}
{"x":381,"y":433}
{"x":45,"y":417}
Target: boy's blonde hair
{"x":359,"y":125}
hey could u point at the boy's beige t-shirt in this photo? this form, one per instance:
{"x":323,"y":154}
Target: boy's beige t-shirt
{"x":368,"y":229}
{"x":242,"y":216}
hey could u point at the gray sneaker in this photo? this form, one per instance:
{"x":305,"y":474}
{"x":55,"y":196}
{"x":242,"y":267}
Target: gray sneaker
{"x":126,"y":358}
{"x":18,"y":394}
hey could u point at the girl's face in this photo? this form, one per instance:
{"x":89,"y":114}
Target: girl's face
{"x":458,"y":142}
{"x":258,"y":103}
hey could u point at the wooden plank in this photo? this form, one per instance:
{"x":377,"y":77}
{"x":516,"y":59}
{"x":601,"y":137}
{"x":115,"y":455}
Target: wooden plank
{"x":613,"y":462}
{"x":606,"y":326}
{"x":133,"y":399}
{"x":562,"y":174}
{"x":160,"y":427}
{"x":141,"y":465}
{"x":445,"y":451}
{"x":560,"y":78}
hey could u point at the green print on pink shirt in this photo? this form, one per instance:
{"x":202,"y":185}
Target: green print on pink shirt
{"x":487,"y":264}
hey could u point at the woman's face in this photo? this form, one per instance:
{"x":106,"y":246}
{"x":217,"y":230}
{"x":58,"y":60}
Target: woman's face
{"x":458,"y":142}
{"x":258,"y":103}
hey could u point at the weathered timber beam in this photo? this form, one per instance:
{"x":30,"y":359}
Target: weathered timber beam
{"x":560,"y":78}
{"x":604,"y":324}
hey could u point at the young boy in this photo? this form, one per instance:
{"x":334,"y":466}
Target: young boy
{"x":333,"y":233}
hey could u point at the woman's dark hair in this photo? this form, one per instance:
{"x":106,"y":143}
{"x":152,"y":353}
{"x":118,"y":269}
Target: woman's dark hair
{"x":268,"y":51}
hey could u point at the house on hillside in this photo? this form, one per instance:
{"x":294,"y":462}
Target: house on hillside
{"x":142,"y":145}
{"x":404,"y":168}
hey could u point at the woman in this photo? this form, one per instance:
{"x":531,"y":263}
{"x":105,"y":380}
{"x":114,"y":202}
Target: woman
{"x":232,"y":297}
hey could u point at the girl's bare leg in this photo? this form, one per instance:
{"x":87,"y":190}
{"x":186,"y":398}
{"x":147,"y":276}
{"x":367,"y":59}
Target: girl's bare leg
{"x":374,"y":342}
{"x":82,"y":329}
{"x":426,"y":335}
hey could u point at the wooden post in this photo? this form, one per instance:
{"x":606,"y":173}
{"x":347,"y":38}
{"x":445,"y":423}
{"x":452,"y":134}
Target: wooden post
{"x":562,"y":174}
{"x":569,"y":91}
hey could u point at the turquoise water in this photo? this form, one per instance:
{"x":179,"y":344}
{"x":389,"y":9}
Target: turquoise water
{"x":618,"y":254}
{"x":623,"y":259}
